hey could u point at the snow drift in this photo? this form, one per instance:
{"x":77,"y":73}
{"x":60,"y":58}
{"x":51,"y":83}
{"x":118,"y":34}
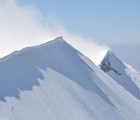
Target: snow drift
{"x":54,"y":81}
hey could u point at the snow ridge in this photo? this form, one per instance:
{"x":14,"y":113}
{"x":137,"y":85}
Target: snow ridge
{"x":118,"y":71}
{"x":54,"y":81}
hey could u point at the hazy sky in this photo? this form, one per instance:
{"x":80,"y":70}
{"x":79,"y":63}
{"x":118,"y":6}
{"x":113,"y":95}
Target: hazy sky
{"x":89,"y":25}
{"x":109,"y":21}
{"x":23,"y":25}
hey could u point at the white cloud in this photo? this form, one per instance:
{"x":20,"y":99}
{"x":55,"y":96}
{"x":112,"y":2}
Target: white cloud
{"x":22,"y":26}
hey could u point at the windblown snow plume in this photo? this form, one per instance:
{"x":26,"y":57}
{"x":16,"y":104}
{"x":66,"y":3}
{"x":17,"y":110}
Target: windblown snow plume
{"x":22,"y":26}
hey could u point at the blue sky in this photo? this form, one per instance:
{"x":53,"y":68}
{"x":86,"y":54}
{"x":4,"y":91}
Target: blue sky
{"x":111,"y":22}
{"x":108,"y":21}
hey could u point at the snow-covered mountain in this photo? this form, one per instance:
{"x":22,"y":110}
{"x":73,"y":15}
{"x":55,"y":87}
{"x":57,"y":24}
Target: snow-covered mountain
{"x":53,"y":81}
{"x":122,"y":73}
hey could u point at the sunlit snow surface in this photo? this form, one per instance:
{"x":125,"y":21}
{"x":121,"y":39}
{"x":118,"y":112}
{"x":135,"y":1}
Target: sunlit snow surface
{"x":54,"y":81}
{"x":122,"y":73}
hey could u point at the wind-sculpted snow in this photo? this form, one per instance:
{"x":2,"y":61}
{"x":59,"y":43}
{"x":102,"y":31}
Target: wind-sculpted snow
{"x":118,"y":71}
{"x":21,"y":70}
{"x":53,"y":81}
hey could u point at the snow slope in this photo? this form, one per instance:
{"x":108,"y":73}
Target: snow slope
{"x":53,"y":81}
{"x":123,"y":74}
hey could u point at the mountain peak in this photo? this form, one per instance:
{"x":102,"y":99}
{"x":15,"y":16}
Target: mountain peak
{"x":23,"y":67}
{"x":110,"y":54}
{"x":116,"y":69}
{"x":58,"y":39}
{"x":47,"y":44}
{"x":111,"y":62}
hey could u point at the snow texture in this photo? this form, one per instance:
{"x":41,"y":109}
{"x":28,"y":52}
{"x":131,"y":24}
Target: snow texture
{"x":123,"y":74}
{"x":54,"y":81}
